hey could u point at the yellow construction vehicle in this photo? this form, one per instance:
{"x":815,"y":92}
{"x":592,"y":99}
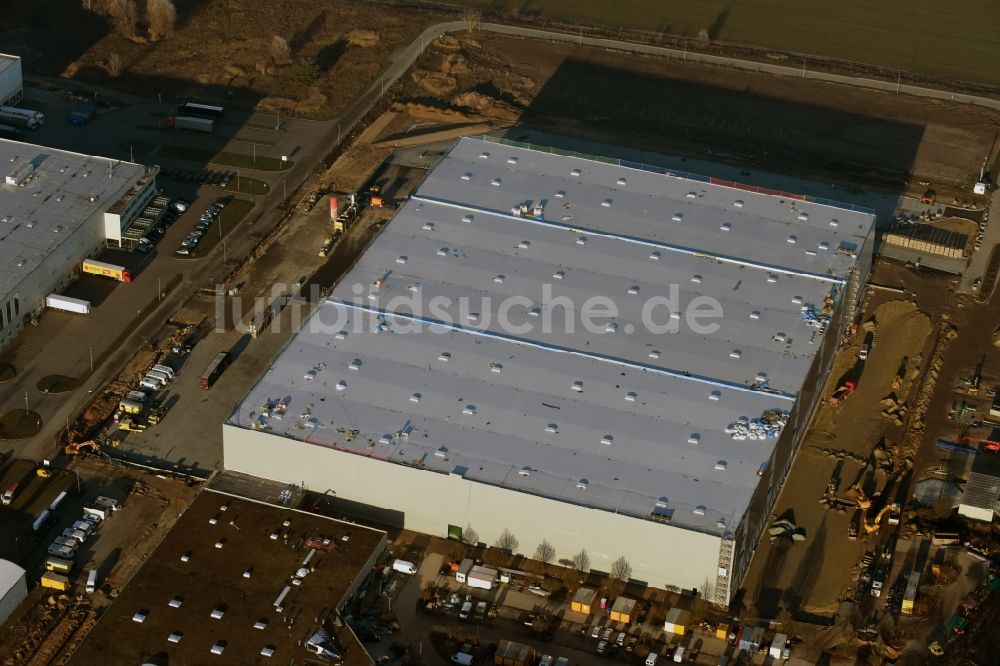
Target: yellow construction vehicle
{"x":893,"y":510}
{"x":43,"y":472}
{"x":128,"y":423}
{"x":79,"y":448}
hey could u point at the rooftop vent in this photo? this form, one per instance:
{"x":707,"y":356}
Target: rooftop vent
{"x":611,"y":327}
{"x":560,"y":194}
{"x":793,"y":239}
{"x":715,"y":395}
{"x":218,"y":612}
{"x":341,"y":385}
{"x":442,"y":452}
{"x":694,"y":438}
{"x":633,"y":290}
{"x":834,"y":223}
{"x":691,"y":195}
{"x":428,"y":226}
{"x":581,"y":240}
{"x":355,"y":364}
{"x":772,"y":278}
{"x":736,"y":353}
{"x":415,"y":397}
{"x":582,"y":484}
{"x":755,"y":314}
{"x":696,"y":279}
{"x":654,"y":353}
{"x":443,"y":252}
{"x":466,"y":176}
{"x":721,"y":465}
{"x":496,"y":182}
{"x":341,"y":335}
{"x":213,"y":520}
{"x":260,"y":624}
{"x":823,"y":245}
{"x":511,"y":160}
{"x":220,"y":543}
{"x":219,"y":647}
{"x":186,"y":557}
{"x":760,"y":377}
{"x":444,"y":357}
{"x":175,"y":602}
{"x":797,"y":300}
{"x":248,"y":572}
{"x":631,"y":396}
{"x":467,"y":219}
{"x":621,"y":181}
{"x":575,"y":172}
{"x":402,"y":259}
{"x":535,"y":311}
{"x":655,"y":255}
{"x":726,"y":227}
{"x":524,"y":471}
{"x":473,"y":316}
{"x":267,"y":651}
{"x":780,"y":337}
{"x":607,"y":440}
{"x":139,"y":617}
{"x":559,"y":275}
{"x":552,"y":427}
{"x":803,"y":216}
{"x":174,"y":637}
{"x":677,"y":217}
{"x":661,"y":503}
{"x":577,"y":386}
{"x":606,"y":203}
{"x":484,"y":156}
{"x":738,"y":203}
{"x":469,"y":409}
{"x":499,"y":279}
{"x":700,"y":510}
{"x":523,"y":245}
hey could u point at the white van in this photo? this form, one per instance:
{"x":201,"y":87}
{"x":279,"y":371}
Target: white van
{"x":402,"y":566}
{"x":466,"y":610}
{"x":149,"y":384}
{"x":679,"y":654}
{"x":159,"y":382}
{"x":462,"y":658}
{"x":651,"y":658}
{"x":136,"y":396}
{"x":168,"y":371}
{"x":162,"y":376}
{"x":92,"y":581}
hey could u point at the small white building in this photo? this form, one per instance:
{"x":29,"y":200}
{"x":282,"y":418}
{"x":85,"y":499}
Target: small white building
{"x":13,"y":588}
{"x":982,"y":489}
{"x":11,"y":80}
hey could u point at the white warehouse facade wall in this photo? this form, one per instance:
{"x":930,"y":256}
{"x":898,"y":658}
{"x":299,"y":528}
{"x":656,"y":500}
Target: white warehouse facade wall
{"x":13,"y":588}
{"x":11,"y":80}
{"x":661,"y":555}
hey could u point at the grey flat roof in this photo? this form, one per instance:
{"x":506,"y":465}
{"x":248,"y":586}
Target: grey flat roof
{"x":638,"y":417}
{"x":8,"y":61}
{"x":52,"y":202}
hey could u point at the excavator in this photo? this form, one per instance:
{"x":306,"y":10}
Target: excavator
{"x":79,"y":448}
{"x":844,"y":390}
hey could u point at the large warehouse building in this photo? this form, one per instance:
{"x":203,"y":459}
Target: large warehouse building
{"x":11,"y":80}
{"x":524,"y":347}
{"x":13,"y":588}
{"x":56,"y":209}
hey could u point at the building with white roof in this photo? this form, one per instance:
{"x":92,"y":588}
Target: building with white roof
{"x":56,"y":209}
{"x":459,"y":376}
{"x":13,"y":588}
{"x":11,"y":80}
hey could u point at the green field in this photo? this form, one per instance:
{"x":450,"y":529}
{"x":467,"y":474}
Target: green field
{"x":959,"y":41}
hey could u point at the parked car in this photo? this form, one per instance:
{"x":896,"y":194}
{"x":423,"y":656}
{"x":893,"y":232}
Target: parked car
{"x":184,"y":252}
{"x":596,"y":631}
{"x":602,"y":647}
{"x":180,"y":205}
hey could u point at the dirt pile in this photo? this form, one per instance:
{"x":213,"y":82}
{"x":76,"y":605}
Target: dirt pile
{"x":915,"y":426}
{"x":485,"y":105}
{"x":363,"y":38}
{"x":437,"y":84}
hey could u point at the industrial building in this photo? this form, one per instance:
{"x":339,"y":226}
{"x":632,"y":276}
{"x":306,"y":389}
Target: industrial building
{"x":455,"y":379}
{"x":982,"y":488}
{"x":242,"y":579}
{"x":56,"y":209}
{"x":11,"y":80}
{"x":13,"y":588}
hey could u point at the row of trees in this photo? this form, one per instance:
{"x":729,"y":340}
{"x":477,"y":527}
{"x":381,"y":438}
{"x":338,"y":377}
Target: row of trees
{"x":135,"y":19}
{"x":621,"y":569}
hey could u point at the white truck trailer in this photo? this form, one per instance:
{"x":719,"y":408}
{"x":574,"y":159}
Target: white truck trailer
{"x":67,"y":303}
{"x":481,"y":577}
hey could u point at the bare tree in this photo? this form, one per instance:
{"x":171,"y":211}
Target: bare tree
{"x":114,"y":65}
{"x":506,"y":541}
{"x":621,"y":569}
{"x":125,"y":15}
{"x":280,"y":52}
{"x":471,"y":19}
{"x":545,"y":552}
{"x":470,"y":536}
{"x":582,"y":561}
{"x":161,"y":15}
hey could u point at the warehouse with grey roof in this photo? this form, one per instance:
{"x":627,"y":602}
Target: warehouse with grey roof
{"x":58,"y":208}
{"x":602,"y":355}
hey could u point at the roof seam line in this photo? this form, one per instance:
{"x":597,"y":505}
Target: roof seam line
{"x":629,"y":239}
{"x":709,"y":381}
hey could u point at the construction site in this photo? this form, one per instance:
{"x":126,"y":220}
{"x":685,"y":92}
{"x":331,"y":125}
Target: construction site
{"x":898,"y":428}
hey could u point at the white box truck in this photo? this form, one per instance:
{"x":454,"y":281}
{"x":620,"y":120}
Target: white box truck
{"x":67,"y":303}
{"x":481,"y":577}
{"x":402,"y":566}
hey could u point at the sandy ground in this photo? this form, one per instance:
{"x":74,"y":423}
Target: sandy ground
{"x":785,"y":125}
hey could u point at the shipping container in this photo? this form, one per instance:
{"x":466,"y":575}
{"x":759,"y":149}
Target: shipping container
{"x":58,"y":565}
{"x":191,"y":123}
{"x":55,"y":581}
{"x":214,"y":369}
{"x":481,"y":577}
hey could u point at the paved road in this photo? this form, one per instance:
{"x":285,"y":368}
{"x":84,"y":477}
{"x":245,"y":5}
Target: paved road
{"x":977,"y":264}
